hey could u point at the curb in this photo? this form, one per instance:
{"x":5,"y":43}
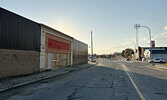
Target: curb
{"x":44,"y":78}
{"x":158,"y":67}
{"x":29,"y":82}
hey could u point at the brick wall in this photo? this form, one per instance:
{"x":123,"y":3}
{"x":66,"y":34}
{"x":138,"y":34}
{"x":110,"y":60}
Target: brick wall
{"x":16,"y":62}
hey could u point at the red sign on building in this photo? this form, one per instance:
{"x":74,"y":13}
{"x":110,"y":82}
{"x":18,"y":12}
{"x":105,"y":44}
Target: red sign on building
{"x":58,"y":45}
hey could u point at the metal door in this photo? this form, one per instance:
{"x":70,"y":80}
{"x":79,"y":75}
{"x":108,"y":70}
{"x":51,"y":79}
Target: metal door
{"x":49,"y":60}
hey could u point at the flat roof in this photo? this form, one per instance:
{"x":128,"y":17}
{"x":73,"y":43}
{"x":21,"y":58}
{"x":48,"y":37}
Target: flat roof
{"x":154,"y":47}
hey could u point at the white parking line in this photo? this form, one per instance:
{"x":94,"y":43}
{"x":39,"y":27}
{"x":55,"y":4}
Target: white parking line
{"x":138,"y":91}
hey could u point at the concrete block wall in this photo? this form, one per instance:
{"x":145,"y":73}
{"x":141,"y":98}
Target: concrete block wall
{"x":17,"y":62}
{"x":80,"y":59}
{"x":80,"y":52}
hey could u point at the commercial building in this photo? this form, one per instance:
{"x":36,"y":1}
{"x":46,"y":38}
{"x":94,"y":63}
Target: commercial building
{"x":19,"y":45}
{"x":27,"y":47}
{"x":140,"y":52}
{"x":56,"y":49}
{"x":154,"y":54}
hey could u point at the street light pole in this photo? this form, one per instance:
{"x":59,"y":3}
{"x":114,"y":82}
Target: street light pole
{"x":138,"y":25}
{"x":135,"y":26}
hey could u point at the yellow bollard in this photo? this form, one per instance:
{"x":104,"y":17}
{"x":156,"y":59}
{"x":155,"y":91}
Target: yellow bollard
{"x":165,"y":63}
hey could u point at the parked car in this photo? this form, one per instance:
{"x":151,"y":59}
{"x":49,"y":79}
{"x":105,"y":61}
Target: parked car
{"x":90,"y":59}
{"x":157,"y":60}
{"x":128,"y":59}
{"x":94,"y":60}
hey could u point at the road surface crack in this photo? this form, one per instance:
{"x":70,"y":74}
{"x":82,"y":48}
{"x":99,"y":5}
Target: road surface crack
{"x":73,"y":95}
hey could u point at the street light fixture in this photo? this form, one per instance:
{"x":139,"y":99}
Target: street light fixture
{"x":138,"y":25}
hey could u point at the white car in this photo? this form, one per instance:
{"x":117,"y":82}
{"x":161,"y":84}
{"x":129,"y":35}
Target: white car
{"x":157,"y":60}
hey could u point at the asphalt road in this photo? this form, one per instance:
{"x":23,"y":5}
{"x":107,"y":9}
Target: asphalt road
{"x":151,"y":82}
{"x":109,"y":80}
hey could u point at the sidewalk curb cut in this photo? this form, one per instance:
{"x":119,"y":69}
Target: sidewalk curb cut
{"x":44,"y":78}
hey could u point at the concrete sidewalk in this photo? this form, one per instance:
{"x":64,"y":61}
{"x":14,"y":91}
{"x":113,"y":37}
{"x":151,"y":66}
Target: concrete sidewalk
{"x":158,"y":66}
{"x":14,"y":82}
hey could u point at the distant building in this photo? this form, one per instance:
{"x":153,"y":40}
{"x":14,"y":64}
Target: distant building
{"x":139,"y":52}
{"x":152,"y":54}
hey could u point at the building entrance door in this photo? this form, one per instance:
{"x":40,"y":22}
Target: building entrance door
{"x":49,"y":60}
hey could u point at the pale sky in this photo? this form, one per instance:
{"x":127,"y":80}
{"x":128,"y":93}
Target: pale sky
{"x":112,"y":21}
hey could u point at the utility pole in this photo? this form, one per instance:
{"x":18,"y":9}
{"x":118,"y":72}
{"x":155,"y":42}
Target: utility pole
{"x":92,"y":45}
{"x":136,"y":27}
{"x":136,"y":53}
